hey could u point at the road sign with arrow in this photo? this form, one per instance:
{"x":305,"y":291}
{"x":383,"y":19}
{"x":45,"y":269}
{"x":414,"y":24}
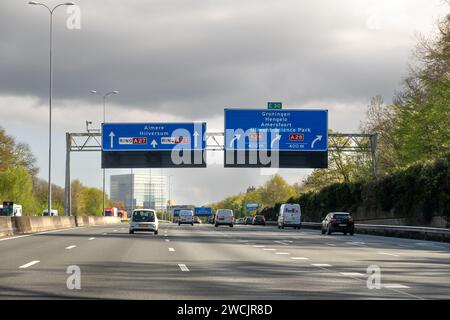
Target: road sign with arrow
{"x":279,"y":130}
{"x":153,"y":136}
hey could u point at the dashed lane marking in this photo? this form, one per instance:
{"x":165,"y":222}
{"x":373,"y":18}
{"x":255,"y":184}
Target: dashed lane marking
{"x":29,"y":264}
{"x":183,"y":267}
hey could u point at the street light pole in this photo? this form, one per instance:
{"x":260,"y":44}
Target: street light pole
{"x":49,"y":200}
{"x":104,"y":120}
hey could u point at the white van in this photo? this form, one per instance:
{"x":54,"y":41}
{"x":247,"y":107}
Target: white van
{"x":186,"y":217}
{"x":144,"y":220}
{"x":290,"y":216}
{"x":53,"y":213}
{"x":224,"y":217}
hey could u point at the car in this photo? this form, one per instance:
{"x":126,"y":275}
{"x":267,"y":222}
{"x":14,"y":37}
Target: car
{"x":290,"y":215}
{"x":259,"y":220}
{"x":248,"y":220}
{"x":338,"y":222}
{"x":211,"y":219}
{"x":186,"y":217}
{"x":224,"y":217}
{"x":144,"y":220}
{"x":197,"y":220}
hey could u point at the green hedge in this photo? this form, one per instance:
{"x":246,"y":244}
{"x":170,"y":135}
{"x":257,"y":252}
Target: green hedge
{"x":417,"y":193}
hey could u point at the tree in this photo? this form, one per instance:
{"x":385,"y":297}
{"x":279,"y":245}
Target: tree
{"x":91,"y":202}
{"x":381,"y":119}
{"x":276,"y":190}
{"x":423,"y":106}
{"x":16,"y":186}
{"x":76,"y":191}
{"x":16,"y":154}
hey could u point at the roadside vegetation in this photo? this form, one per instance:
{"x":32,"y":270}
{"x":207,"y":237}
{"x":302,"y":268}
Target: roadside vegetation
{"x":413,"y":154}
{"x":19,"y":183}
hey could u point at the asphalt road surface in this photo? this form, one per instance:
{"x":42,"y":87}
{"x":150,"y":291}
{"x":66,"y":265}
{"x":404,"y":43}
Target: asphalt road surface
{"x":203,"y":262}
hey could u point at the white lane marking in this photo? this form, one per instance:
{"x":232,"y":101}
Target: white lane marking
{"x":331,"y":244}
{"x":171,"y":249}
{"x":356,"y":243}
{"x":282,"y":253}
{"x":299,"y":258}
{"x":321,"y":265}
{"x":183,"y":267}
{"x":389,"y":254}
{"x":352,"y":274}
{"x":38,"y":233}
{"x":70,"y":247}
{"x":165,"y":235}
{"x":395,"y":286}
{"x":29,"y":264}
{"x":91,"y":238}
{"x":269,"y":249}
{"x":115,"y":230}
{"x":258,"y":246}
{"x":167,"y":240}
{"x":281,"y":242}
{"x":104,"y":233}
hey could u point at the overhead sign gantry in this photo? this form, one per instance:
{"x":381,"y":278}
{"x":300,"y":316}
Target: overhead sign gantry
{"x":290,"y":138}
{"x":153,"y":145}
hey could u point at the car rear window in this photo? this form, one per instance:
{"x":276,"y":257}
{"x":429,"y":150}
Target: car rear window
{"x":341,"y":216}
{"x":143,"y":216}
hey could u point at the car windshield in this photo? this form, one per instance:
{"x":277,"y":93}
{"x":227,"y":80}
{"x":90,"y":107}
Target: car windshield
{"x":108,"y":213}
{"x":143,"y":216}
{"x":258,"y":218}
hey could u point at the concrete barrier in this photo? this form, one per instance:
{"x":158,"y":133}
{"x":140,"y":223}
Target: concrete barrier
{"x":6,"y":227}
{"x":410,"y":232}
{"x":30,"y":224}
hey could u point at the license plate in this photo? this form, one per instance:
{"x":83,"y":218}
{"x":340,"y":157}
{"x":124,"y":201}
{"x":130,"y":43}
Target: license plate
{"x":143,"y":225}
{"x":221,"y":218}
{"x":342,"y":225}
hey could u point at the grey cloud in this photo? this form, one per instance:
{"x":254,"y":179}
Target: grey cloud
{"x":197,"y":57}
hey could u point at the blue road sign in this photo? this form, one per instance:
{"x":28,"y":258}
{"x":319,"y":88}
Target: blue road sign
{"x":251,"y":206}
{"x":176,"y":212}
{"x":280,"y":130}
{"x":153,"y":136}
{"x":202,"y":211}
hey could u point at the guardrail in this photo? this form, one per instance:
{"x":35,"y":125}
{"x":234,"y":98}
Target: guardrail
{"x":411,"y":232}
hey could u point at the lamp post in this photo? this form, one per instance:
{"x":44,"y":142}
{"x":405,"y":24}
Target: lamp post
{"x":104,"y":120}
{"x":50,"y":10}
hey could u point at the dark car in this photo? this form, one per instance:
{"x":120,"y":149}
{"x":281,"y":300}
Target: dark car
{"x":259,"y":220}
{"x":248,"y":220}
{"x":338,"y":222}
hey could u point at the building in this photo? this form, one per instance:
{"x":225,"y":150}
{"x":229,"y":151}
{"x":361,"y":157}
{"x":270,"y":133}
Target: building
{"x":147,"y":191}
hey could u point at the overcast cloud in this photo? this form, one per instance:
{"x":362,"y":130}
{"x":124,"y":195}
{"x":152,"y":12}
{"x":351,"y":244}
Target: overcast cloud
{"x":187,"y":60}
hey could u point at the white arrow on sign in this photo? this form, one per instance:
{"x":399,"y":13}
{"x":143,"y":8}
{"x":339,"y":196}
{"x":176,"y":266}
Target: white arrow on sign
{"x":236,"y":137}
{"x":112,"y":135}
{"x":277,"y":137}
{"x":154,"y":143}
{"x":195,"y":138}
{"x":318,"y":138}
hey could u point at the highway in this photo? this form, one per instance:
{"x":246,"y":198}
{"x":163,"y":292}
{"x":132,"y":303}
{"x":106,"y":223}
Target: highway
{"x":203,"y":262}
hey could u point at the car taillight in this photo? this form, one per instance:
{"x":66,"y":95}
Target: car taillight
{"x":333,"y":219}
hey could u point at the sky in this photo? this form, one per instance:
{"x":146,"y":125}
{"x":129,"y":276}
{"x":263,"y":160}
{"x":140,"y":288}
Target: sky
{"x":187,"y":60}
